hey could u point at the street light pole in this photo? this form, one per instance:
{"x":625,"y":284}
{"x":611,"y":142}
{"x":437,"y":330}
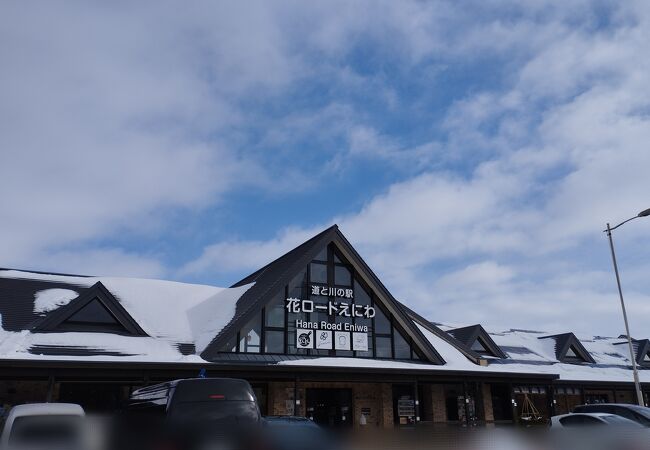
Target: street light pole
{"x":637,"y":384}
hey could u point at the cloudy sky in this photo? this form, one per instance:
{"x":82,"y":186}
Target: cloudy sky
{"x":471,"y":151}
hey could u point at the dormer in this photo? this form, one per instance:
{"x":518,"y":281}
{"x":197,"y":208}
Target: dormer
{"x":478,"y":340}
{"x":569,"y":349}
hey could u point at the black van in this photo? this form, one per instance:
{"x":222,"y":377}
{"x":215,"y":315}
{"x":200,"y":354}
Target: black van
{"x":213,"y":400}
{"x":188,"y":414}
{"x":638,"y":414}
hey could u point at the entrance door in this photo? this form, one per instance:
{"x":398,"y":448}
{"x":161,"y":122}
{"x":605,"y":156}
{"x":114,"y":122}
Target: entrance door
{"x":330,"y":407}
{"x":404,"y":412}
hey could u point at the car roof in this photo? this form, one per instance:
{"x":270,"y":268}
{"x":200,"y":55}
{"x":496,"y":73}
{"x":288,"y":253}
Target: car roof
{"x":593,"y":414}
{"x":44,"y":409}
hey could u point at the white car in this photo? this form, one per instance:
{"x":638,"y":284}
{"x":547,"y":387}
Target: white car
{"x":43,"y":425}
{"x":577,"y":420}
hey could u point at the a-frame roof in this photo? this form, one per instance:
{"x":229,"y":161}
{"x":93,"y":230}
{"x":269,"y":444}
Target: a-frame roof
{"x":469,"y":335}
{"x":566,"y":341}
{"x":451,"y":340}
{"x":641,"y":347}
{"x":96,"y":293}
{"x":270,"y":279}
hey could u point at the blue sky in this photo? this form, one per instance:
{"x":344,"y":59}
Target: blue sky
{"x":471,"y":151}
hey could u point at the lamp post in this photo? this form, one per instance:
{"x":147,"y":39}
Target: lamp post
{"x":637,"y":385}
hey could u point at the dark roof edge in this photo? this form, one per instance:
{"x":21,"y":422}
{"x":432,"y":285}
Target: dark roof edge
{"x":38,"y":272}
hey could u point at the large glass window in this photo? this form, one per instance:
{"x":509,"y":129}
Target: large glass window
{"x":274,"y":312}
{"x":384,"y":349}
{"x":276,"y":333}
{"x":250,"y":336}
{"x":318,"y":273}
{"x":342,"y":276}
{"x":402,"y":347}
{"x":361,"y":296}
{"x":273,"y":341}
{"x":382,"y":323}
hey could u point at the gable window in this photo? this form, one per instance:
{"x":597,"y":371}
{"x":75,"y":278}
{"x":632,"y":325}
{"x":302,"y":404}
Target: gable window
{"x":324,"y":330}
{"x":573,"y":355}
{"x":96,"y":310}
{"x":646,"y":358}
{"x":479,"y":347}
{"x":93,"y":312}
{"x":318,"y":273}
{"x":92,"y":317}
{"x":402,"y":347}
{"x":342,"y":275}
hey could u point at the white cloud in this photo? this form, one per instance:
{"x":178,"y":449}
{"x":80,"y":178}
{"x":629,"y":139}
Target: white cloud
{"x":515,"y":238}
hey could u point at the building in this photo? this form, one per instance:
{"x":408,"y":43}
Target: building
{"x":315,"y":332}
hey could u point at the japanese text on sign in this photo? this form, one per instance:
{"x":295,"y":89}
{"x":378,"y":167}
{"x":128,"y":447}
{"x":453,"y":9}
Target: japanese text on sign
{"x":297,"y":306}
{"x":329,"y":291}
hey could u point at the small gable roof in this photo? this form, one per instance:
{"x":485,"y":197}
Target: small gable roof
{"x":97,"y":293}
{"x":641,"y":348}
{"x":566,"y":341}
{"x":470,"y":334}
{"x":270,"y":279}
{"x":451,"y":340}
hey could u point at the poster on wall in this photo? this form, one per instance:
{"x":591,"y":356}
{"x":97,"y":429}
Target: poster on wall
{"x":360,"y":342}
{"x":341,"y":340}
{"x":304,"y":338}
{"x":324,"y":340}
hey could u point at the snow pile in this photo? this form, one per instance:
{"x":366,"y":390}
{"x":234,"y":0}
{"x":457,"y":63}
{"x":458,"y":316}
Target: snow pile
{"x":50,"y":299}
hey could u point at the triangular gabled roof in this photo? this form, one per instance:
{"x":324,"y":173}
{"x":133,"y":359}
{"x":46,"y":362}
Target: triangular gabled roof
{"x":473,"y":333}
{"x":431,"y":327}
{"x":641,"y":347}
{"x":275,"y":275}
{"x":95,"y":296}
{"x":566,"y":341}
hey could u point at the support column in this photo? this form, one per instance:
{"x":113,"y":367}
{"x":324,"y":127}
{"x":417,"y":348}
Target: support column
{"x":50,"y":389}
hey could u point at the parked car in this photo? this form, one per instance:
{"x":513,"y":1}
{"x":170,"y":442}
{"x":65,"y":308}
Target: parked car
{"x":579,"y":420}
{"x":636,"y":413}
{"x":44,"y":425}
{"x":189,"y":413}
{"x":199,"y":399}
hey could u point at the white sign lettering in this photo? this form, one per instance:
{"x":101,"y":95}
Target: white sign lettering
{"x":343,"y":309}
{"x":329,"y":291}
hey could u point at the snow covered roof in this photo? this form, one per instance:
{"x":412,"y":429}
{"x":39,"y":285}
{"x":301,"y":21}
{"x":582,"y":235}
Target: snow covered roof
{"x":528,"y":354}
{"x":177,"y":318}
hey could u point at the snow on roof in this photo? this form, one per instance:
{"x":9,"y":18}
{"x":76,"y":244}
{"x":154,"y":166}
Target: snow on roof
{"x":529,"y":354}
{"x":174,"y":313}
{"x":170,"y":312}
{"x":50,"y":299}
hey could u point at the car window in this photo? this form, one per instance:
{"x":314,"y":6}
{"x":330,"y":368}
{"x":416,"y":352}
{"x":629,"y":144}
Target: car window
{"x":624,"y":412}
{"x":572,"y":421}
{"x":589,"y":420}
{"x":52,"y":429}
{"x":620,"y":421}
